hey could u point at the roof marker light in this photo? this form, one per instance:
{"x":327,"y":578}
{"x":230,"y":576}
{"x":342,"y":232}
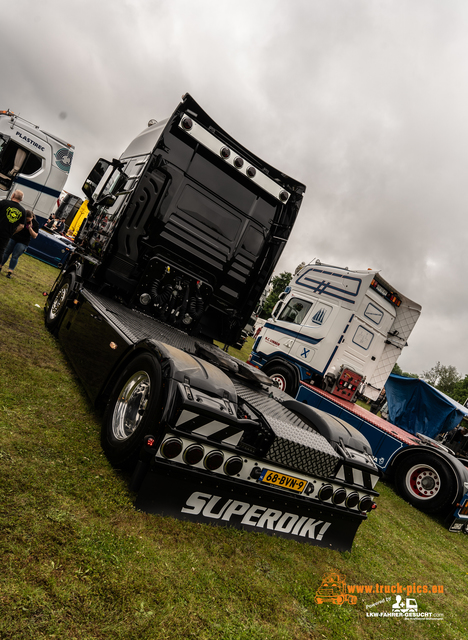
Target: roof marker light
{"x":187,"y":123}
{"x":207,"y":138}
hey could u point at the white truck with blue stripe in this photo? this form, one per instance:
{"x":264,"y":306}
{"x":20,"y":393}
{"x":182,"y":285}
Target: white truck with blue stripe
{"x":335,"y":331}
{"x":335,"y":328}
{"x":34,"y":161}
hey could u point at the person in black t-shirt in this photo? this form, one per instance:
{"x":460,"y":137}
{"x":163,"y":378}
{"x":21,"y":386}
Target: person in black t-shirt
{"x":12,"y":217}
{"x":19,"y":242}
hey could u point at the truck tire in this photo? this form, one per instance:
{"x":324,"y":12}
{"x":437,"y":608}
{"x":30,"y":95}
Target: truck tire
{"x":283,"y":376}
{"x":426,"y":482}
{"x":132,"y":411}
{"x":58,"y":302}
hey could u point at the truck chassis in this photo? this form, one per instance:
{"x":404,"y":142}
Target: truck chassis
{"x":212,"y":439}
{"x":425,"y":473}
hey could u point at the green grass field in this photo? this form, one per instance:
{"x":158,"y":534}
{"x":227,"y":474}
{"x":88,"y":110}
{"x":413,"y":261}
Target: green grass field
{"x":79,"y":562}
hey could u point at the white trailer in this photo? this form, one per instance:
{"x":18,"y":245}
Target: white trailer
{"x":34,"y":161}
{"x":339,"y":329}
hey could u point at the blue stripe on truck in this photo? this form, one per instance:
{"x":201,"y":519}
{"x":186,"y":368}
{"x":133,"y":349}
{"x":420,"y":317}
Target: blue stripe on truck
{"x":37,"y":187}
{"x":293,"y":334}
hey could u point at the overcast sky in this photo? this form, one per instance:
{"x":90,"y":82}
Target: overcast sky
{"x":364,"y":101}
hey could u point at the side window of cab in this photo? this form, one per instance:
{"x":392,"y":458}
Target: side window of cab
{"x":295,"y":311}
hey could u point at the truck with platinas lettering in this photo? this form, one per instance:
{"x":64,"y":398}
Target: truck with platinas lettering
{"x":34,"y":161}
{"x":38,"y":163}
{"x":183,"y":233}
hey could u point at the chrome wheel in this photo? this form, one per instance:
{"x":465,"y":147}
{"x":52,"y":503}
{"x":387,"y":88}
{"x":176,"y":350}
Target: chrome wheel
{"x":130,"y":406}
{"x":59,"y":301}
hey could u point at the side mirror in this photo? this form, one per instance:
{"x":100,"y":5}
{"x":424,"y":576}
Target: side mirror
{"x":276,"y":309}
{"x":111,"y":180}
{"x":95,"y":176}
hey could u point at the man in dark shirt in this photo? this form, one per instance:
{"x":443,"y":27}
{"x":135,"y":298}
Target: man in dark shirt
{"x":19,"y":242}
{"x":12,"y":217}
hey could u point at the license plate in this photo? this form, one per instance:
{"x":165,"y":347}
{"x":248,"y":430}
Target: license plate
{"x":282,"y":480}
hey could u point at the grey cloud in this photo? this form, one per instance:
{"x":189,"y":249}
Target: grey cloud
{"x":363,"y":101}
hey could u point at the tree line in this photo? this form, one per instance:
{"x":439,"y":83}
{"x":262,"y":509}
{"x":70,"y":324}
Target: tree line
{"x":442,"y":377}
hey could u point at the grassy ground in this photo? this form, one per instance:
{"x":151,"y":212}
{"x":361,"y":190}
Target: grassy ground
{"x":77,"y":561}
{"x":243,"y":353}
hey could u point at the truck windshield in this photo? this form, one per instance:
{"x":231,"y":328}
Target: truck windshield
{"x":295,"y":311}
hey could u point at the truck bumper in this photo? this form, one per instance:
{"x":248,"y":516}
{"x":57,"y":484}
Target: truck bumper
{"x":199,"y":497}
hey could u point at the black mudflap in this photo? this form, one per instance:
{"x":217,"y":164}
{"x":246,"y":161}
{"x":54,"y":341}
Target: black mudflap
{"x":187,"y":496}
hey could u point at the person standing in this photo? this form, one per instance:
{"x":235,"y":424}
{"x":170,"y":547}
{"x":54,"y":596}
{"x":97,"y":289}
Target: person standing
{"x":19,"y":242}
{"x":12,"y":217}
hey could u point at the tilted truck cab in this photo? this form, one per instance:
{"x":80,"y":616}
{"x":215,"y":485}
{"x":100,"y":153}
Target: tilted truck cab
{"x":184,"y":232}
{"x":198,"y":229}
{"x":339,"y":329}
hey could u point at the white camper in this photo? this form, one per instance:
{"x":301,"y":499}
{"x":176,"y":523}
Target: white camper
{"x":339,"y":329}
{"x":34,"y":161}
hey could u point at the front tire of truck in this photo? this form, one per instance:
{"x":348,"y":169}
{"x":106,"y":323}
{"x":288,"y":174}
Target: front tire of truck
{"x":283,"y":376}
{"x":426,"y":482}
{"x":58,"y":302}
{"x":132,"y":411}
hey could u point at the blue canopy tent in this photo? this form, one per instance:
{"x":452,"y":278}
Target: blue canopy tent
{"x":417,"y":407}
